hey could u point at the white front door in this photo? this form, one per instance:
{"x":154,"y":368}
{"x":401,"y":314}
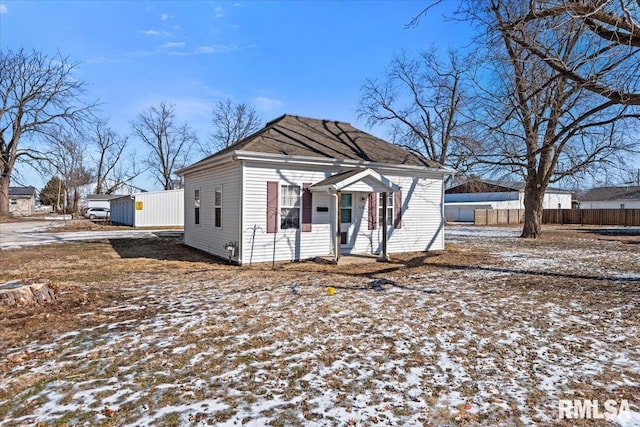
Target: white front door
{"x":347,"y":212}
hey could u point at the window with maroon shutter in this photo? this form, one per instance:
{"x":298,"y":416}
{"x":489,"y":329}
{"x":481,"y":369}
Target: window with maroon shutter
{"x":272,"y":206}
{"x":289,"y":207}
{"x":397,"y":209}
{"x":390,"y":208}
{"x":373,"y":211}
{"x":306,"y":207}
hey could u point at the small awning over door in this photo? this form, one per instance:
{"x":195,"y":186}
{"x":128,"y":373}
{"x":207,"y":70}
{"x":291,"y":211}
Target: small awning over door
{"x":363,"y":180}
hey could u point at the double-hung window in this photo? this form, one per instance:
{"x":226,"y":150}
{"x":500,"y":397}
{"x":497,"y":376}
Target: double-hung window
{"x":289,"y":206}
{"x":389,"y":209}
{"x":196,"y":195}
{"x":346,"y":208}
{"x":217,"y":207}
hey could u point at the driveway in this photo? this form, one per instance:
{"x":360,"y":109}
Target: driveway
{"x":20,"y":234}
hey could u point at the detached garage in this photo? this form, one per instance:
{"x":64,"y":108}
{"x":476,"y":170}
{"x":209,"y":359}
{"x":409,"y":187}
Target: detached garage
{"x":153,"y":209}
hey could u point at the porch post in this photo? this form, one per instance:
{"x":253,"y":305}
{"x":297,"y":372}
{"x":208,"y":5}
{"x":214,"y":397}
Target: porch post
{"x":338,"y":227}
{"x":384,"y":256}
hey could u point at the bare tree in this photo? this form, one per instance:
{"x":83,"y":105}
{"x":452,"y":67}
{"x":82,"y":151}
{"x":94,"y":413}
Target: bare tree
{"x":169,"y":142}
{"x":423,"y":102}
{"x":65,"y":157}
{"x":231,"y":123}
{"x":38,"y":94}
{"x":112,"y":168}
{"x":543,"y":123}
{"x":609,"y":34}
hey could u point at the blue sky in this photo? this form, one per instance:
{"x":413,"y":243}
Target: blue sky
{"x":307,"y":58}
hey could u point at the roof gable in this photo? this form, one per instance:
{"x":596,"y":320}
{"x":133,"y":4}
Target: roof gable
{"x":301,"y":136}
{"x":371,"y":180}
{"x":22,"y":191}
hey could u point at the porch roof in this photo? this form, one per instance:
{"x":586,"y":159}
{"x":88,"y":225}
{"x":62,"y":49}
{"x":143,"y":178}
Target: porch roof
{"x":365,"y":180}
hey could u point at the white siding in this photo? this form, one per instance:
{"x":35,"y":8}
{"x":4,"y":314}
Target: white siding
{"x":290,"y":244}
{"x":458,"y":206}
{"x":611,"y":204}
{"x":20,"y":206}
{"x":462,"y":212}
{"x":160,"y":209}
{"x":205,"y":236}
{"x":556,"y":201}
{"x":422,"y":223}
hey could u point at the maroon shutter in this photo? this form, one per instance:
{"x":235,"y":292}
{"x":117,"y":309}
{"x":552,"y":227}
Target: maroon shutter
{"x":272,"y":206}
{"x":306,"y":207}
{"x":373,"y":211}
{"x":397,"y":209}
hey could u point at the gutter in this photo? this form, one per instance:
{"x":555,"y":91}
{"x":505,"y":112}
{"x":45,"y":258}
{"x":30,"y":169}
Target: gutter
{"x":323,"y":161}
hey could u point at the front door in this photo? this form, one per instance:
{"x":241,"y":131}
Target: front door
{"x":346,"y":221}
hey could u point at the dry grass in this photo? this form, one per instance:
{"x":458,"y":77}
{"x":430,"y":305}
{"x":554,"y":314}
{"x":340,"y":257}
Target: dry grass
{"x":491,"y":331}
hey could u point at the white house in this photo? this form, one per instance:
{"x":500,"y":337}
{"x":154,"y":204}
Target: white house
{"x":611,"y":198}
{"x":301,"y":188}
{"x":149,"y":209}
{"x":463,"y":199}
{"x":22,"y":201}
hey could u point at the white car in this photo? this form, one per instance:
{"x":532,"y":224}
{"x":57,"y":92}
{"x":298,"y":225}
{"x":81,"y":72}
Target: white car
{"x":95,"y":213}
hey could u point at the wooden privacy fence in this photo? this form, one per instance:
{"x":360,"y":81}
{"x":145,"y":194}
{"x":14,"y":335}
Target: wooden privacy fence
{"x":498,"y":216}
{"x":625,"y":217}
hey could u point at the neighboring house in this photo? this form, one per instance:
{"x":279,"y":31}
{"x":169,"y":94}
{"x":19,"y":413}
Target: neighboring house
{"x":99,"y":200}
{"x":611,"y":198}
{"x":463,"y":199}
{"x":150,"y":209}
{"x":22,"y":201}
{"x":301,"y":188}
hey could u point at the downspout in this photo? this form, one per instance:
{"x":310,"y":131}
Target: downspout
{"x":333,"y":225}
{"x":338,"y":226}
{"x":442,"y":211}
{"x":241,"y":231}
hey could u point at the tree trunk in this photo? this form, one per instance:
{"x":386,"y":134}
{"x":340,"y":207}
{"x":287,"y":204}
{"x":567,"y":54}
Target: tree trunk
{"x":16,"y":293}
{"x":533,"y":198}
{"x":76,"y":195}
{"x":4,"y":195}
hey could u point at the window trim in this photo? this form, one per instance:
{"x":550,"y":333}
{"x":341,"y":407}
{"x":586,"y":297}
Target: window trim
{"x":217,"y":207}
{"x":197,"y":202}
{"x":284,"y":219}
{"x":343,"y":208}
{"x":390,"y":209}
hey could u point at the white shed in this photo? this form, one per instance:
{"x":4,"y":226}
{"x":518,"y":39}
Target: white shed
{"x":152,"y":209}
{"x":302,"y":188}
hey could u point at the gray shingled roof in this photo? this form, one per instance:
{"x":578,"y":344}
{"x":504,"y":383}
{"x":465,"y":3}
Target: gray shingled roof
{"x":301,"y":136}
{"x":333,"y":179}
{"x":612,"y":193}
{"x":21,"y":191}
